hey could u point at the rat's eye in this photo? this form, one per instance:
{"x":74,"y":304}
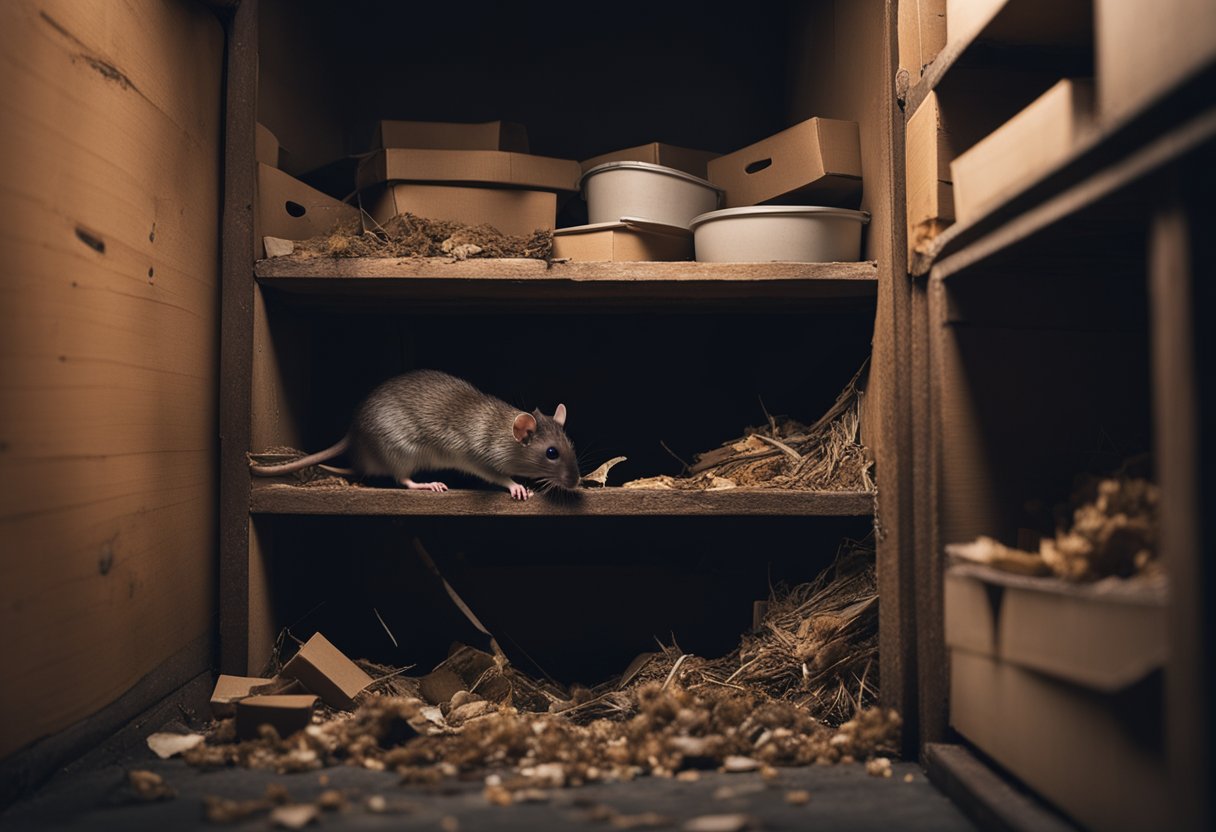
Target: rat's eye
{"x":551,"y":452}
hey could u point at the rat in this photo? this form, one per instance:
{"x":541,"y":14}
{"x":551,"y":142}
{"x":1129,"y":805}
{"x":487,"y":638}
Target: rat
{"x":427,"y":420}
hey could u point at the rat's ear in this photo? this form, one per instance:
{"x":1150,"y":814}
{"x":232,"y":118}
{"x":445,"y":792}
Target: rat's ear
{"x":524,"y":427}
{"x":559,"y":415}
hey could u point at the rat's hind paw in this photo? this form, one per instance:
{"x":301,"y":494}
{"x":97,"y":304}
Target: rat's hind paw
{"x":424,"y":486}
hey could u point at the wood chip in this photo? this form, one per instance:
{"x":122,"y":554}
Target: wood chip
{"x":720,"y":823}
{"x":166,"y":744}
{"x":798,"y":797}
{"x":736,"y":764}
{"x":149,"y":786}
{"x":294,"y":816}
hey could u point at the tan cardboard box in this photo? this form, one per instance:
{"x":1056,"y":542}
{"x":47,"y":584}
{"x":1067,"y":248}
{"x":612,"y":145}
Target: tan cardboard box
{"x":287,"y":714}
{"x":929,"y":192}
{"x":657,"y":153}
{"x":1022,"y":149}
{"x":922,"y":34}
{"x":483,"y":167}
{"x":1059,"y":683}
{"x":511,"y":210}
{"x":624,"y":240}
{"x":266,"y":147}
{"x":965,"y":18}
{"x":817,"y":162}
{"x":1144,"y":49}
{"x":444,"y":135}
{"x":289,"y":209}
{"x":326,"y":671}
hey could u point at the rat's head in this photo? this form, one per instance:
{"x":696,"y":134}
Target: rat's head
{"x":546,"y":454}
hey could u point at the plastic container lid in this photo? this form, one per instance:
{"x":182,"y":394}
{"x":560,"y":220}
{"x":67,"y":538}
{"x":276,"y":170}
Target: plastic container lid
{"x":789,"y":210}
{"x":653,"y":168}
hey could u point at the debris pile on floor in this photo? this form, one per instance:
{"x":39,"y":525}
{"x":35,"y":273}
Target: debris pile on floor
{"x":1113,"y":534}
{"x":799,"y":690}
{"x":409,"y":235}
{"x":785,"y":453}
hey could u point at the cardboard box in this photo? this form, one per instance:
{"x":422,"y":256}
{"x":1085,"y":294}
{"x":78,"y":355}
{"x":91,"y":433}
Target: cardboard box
{"x":231,"y":689}
{"x":624,"y":240}
{"x":286,"y":714}
{"x":266,"y":147}
{"x":929,"y":193}
{"x":1021,"y":150}
{"x":922,"y":34}
{"x":289,"y":209}
{"x":1060,"y":684}
{"x":1145,"y":49}
{"x":817,"y":162}
{"x":510,"y":210}
{"x":326,"y":671}
{"x":443,"y":135}
{"x":482,"y":167}
{"x":657,"y":153}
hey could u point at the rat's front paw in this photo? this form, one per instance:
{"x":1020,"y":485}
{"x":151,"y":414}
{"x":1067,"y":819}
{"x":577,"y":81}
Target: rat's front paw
{"x":518,"y":492}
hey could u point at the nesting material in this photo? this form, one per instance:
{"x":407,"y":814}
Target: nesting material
{"x":785,"y":453}
{"x":1113,"y":533}
{"x":412,"y":236}
{"x":798,"y":691}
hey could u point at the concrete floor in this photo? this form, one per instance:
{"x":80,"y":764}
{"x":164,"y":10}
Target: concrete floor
{"x":842,"y":798}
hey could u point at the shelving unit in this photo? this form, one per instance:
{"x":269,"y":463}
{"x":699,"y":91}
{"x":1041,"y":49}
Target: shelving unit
{"x":1059,"y":338}
{"x":301,"y":334}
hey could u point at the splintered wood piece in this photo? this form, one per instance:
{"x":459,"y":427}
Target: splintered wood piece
{"x":600,"y":474}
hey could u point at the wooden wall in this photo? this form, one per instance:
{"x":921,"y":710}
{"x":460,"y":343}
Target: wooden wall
{"x":110,"y":118}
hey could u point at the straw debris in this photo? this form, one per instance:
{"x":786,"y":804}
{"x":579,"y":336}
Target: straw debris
{"x":799,"y":690}
{"x":409,"y":235}
{"x":785,"y":453}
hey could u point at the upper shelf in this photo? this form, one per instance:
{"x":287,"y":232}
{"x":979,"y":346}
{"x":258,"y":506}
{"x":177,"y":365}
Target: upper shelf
{"x":1057,"y":33}
{"x":1104,"y":163}
{"x":279,"y":498}
{"x":470,"y":283}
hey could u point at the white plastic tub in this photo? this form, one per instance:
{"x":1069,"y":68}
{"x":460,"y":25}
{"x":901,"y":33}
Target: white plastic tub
{"x":650,"y":192}
{"x":791,"y":233}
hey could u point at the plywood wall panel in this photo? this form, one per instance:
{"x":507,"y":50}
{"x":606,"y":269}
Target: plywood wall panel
{"x":109,"y":134}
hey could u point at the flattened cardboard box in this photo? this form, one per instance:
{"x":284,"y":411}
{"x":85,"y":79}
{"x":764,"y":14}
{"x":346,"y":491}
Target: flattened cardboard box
{"x":511,"y":210}
{"x":622,"y":241}
{"x":446,"y":135}
{"x":1058,"y":683}
{"x":1022,"y":148}
{"x":326,"y":671}
{"x":483,"y":167}
{"x":816,"y":162}
{"x":286,"y":714}
{"x":289,"y":209}
{"x":657,"y":153}
{"x":231,"y":689}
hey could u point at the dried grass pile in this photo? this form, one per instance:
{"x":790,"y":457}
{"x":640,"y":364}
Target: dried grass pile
{"x":785,"y":453}
{"x":1113,"y":533}
{"x":797,"y":691}
{"x":409,"y":235}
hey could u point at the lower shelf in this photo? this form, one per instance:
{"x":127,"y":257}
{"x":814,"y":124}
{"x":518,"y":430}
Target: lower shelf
{"x":279,"y":498}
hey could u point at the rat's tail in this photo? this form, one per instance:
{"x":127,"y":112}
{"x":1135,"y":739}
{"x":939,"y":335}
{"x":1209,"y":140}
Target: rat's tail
{"x":301,"y":463}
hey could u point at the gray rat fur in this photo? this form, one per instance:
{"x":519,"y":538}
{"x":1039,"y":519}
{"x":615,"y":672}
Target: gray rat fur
{"x":426,"y":420}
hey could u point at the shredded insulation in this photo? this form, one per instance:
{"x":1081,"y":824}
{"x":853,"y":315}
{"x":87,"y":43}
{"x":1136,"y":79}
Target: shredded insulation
{"x":409,"y":235}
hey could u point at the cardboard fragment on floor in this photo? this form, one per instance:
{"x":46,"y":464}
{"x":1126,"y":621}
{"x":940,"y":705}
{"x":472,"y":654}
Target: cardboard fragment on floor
{"x":286,"y":714}
{"x":229,"y":689}
{"x":326,"y":671}
{"x":166,"y":744}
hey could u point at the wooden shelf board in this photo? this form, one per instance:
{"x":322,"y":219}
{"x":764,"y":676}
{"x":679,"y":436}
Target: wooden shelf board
{"x":280,"y":498}
{"x":439,"y":281}
{"x":954,"y":252}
